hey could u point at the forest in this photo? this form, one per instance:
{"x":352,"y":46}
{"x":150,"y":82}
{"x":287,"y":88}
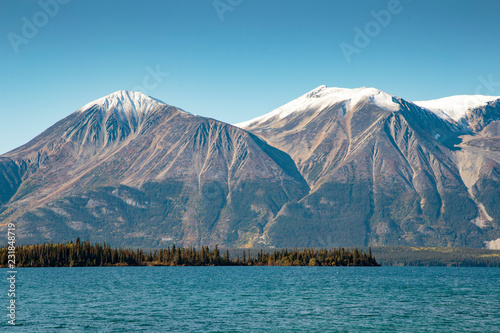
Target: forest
{"x":436,"y":256}
{"x":85,"y":254}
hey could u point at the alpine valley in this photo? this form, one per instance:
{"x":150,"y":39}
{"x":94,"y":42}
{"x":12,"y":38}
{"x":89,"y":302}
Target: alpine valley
{"x":334,"y":167}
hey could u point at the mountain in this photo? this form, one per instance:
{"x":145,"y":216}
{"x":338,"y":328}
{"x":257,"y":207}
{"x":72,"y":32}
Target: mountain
{"x":334,"y":167}
{"x":471,"y":111}
{"x":130,"y":170}
{"x":386,"y":171}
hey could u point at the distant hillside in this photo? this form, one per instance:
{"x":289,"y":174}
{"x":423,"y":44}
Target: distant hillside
{"x":436,"y":256}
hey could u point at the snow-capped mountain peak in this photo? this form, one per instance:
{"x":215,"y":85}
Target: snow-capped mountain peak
{"x":323,"y":97}
{"x":456,"y":107}
{"x":126,"y":102}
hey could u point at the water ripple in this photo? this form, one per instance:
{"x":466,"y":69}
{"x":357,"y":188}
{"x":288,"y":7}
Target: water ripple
{"x":258,"y":299}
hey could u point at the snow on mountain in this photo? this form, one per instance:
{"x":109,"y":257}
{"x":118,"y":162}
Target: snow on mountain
{"x":323,"y":97}
{"x":493,"y":245}
{"x":160,"y":172}
{"x":455,"y":107}
{"x":125,"y":102}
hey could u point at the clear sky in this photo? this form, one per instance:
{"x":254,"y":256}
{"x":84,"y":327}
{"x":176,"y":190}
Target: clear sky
{"x":235,"y":59}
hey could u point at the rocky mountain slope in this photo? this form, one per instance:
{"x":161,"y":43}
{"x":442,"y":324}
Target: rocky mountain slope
{"x":349,"y":167}
{"x":130,"y":170}
{"x":385,"y":171}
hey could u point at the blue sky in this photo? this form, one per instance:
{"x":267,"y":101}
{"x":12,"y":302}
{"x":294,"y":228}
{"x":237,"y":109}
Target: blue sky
{"x":235,"y":59}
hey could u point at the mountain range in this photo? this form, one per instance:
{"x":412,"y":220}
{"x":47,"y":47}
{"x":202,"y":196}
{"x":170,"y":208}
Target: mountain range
{"x":334,"y":167}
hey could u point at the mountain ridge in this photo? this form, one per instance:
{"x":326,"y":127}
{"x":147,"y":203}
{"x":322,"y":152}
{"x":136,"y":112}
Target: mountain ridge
{"x":451,"y":108}
{"x":193,"y":167}
{"x":348,"y":167}
{"x":336,"y":145}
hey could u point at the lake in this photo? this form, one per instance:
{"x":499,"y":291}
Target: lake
{"x":255,"y":299}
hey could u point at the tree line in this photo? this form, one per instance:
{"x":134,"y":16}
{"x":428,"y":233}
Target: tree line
{"x":85,"y":254}
{"x":437,"y":256}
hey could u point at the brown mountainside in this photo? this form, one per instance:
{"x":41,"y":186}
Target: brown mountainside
{"x":348,"y":167}
{"x":382,"y":171}
{"x":128,"y":169}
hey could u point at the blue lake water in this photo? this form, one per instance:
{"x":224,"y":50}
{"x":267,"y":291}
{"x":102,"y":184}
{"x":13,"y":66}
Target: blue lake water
{"x":255,"y":299}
